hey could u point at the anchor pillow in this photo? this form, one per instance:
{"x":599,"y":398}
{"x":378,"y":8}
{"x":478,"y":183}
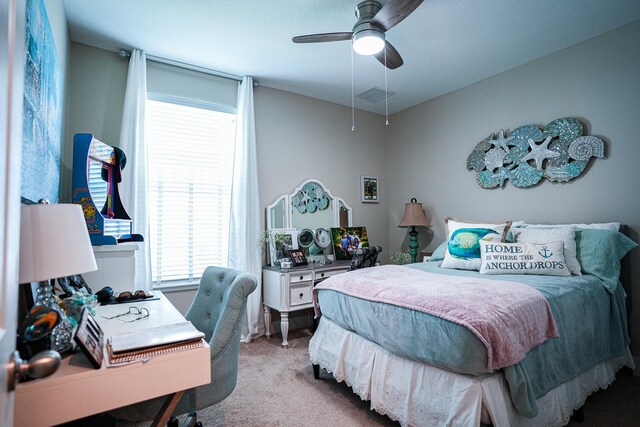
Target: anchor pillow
{"x":463,"y":248}
{"x":523,"y":258}
{"x":565,"y":234}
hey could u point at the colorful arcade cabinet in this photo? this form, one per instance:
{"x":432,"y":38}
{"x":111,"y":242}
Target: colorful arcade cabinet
{"x":96,"y":174}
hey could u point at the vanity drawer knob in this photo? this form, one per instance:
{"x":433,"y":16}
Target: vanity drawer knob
{"x":301,"y":294}
{"x":321,"y":274}
{"x":301,"y":277}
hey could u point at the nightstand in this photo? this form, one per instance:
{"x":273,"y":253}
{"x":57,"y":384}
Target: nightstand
{"x":291,"y":290}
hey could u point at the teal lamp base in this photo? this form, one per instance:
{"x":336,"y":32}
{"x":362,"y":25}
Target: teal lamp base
{"x":413,"y":244}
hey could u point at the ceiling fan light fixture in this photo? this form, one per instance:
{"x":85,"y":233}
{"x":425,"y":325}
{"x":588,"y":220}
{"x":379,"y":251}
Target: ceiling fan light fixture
{"x":368,"y":42}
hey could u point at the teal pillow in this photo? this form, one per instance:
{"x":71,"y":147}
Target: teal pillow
{"x":599,"y":253}
{"x":438,"y":254}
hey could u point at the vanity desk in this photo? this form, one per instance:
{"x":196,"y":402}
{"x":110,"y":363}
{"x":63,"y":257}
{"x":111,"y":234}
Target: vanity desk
{"x":289,"y":290}
{"x":306,"y":214}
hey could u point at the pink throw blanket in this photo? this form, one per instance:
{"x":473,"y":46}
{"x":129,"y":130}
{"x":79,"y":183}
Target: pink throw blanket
{"x":509,"y":318}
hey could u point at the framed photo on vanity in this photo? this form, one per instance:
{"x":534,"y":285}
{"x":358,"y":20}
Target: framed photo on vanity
{"x":297,"y":257}
{"x":369,"y":189}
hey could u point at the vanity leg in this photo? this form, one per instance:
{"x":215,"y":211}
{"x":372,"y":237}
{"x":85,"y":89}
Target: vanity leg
{"x":267,"y":321}
{"x":284,"y":327}
{"x":316,"y":371}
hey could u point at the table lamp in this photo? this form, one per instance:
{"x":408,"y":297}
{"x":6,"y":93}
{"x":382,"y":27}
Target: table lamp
{"x":413,"y":217}
{"x":54,"y":242}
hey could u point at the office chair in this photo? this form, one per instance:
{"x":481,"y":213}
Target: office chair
{"x":218,"y":311}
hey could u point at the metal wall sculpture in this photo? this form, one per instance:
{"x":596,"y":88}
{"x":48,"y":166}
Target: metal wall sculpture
{"x":559,"y":154}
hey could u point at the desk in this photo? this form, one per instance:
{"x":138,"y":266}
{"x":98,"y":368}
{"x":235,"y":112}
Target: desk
{"x":78,"y":390}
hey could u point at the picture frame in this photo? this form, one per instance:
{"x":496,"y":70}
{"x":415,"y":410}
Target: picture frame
{"x":346,"y":241}
{"x":297,"y":257}
{"x":275,"y":254}
{"x":369,"y":189}
{"x":90,"y":338}
{"x":43,"y":105}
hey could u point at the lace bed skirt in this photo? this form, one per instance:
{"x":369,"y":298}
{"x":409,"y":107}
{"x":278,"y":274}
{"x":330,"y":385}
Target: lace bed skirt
{"x":416,"y":394}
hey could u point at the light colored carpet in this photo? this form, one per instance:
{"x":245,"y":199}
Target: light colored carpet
{"x":276,"y":388}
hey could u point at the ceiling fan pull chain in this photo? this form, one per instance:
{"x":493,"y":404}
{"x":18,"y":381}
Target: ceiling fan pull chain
{"x":386,"y":91}
{"x":353,"y":110}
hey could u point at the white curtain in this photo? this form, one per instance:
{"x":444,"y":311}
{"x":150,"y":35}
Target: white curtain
{"x":244,"y":225}
{"x":135,"y":180}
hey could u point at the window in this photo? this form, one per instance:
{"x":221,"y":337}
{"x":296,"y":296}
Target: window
{"x":191,"y":148}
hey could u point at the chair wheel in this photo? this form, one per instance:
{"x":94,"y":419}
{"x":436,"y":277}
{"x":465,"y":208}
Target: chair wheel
{"x":173,"y":422}
{"x":199,"y":424}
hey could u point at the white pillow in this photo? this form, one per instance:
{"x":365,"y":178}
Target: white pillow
{"x":611,"y":226}
{"x":523,"y":258}
{"x":565,"y":234}
{"x":463,"y":250}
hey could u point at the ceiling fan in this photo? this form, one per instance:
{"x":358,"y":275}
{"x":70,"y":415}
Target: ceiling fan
{"x":368,"y":34}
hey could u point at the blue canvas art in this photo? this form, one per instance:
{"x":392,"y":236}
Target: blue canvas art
{"x":42,"y":109}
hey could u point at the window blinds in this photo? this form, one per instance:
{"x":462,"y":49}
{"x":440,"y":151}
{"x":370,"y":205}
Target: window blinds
{"x":191,"y":150}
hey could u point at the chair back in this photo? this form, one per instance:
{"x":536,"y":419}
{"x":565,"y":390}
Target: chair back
{"x":217,"y":310}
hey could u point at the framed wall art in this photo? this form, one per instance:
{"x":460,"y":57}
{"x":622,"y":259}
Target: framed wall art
{"x":42,"y":117}
{"x":369,"y":189}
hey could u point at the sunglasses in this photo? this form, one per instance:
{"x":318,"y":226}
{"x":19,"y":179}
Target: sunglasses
{"x":131,"y":296}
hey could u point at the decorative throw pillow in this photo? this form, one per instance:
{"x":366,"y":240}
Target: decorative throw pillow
{"x":566,"y":234}
{"x":463,"y":247}
{"x":523,"y":258}
{"x":611,"y":226}
{"x":438,"y":253}
{"x":600,"y":252}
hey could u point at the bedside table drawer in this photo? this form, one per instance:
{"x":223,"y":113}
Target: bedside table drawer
{"x":299,"y":295}
{"x":300,"y":277}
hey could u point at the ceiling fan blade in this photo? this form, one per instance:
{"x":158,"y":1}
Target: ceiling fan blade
{"x":324,"y":37}
{"x":394,"y":60}
{"x":394,"y":12}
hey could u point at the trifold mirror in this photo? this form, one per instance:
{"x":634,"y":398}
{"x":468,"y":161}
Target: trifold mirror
{"x":310,"y":207}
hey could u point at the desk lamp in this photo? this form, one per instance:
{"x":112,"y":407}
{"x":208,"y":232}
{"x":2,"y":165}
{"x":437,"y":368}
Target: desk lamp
{"x":54,"y":242}
{"x":413,"y":217}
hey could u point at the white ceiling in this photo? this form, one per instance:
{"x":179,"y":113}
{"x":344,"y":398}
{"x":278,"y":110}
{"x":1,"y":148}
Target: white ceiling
{"x":445,"y":44}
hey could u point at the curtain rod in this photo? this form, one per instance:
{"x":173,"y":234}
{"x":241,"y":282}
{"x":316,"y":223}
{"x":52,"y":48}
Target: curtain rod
{"x":126,"y":54}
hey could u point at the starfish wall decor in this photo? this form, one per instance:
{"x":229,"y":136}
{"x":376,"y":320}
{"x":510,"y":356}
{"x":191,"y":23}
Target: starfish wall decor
{"x":559,"y":153}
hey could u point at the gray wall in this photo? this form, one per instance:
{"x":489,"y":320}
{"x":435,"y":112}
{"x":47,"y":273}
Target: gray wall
{"x":297,"y":137}
{"x":300,"y":138}
{"x":595,"y":82}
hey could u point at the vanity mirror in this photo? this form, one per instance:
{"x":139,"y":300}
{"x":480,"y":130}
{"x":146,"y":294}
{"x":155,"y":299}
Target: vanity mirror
{"x":310,"y":207}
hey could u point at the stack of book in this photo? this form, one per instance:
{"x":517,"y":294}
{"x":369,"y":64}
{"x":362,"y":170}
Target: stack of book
{"x":140,"y":345}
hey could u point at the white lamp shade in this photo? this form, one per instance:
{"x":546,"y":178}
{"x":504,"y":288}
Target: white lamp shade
{"x":54,"y":242}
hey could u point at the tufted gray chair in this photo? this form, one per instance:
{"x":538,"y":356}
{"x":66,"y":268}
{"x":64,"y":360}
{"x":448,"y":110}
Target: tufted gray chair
{"x":217,"y":310}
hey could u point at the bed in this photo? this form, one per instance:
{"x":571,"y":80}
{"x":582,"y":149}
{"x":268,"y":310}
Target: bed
{"x":420,"y":368}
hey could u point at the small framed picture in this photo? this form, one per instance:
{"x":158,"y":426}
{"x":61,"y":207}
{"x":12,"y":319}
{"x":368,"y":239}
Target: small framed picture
{"x":297,"y":257}
{"x":290,"y":242}
{"x":369,"y":189}
{"x":90,"y":338}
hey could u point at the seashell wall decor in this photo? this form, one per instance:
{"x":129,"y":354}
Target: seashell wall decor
{"x":559,"y":154}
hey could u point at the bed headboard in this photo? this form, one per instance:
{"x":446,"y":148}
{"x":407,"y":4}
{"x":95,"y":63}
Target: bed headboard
{"x":625,"y":272}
